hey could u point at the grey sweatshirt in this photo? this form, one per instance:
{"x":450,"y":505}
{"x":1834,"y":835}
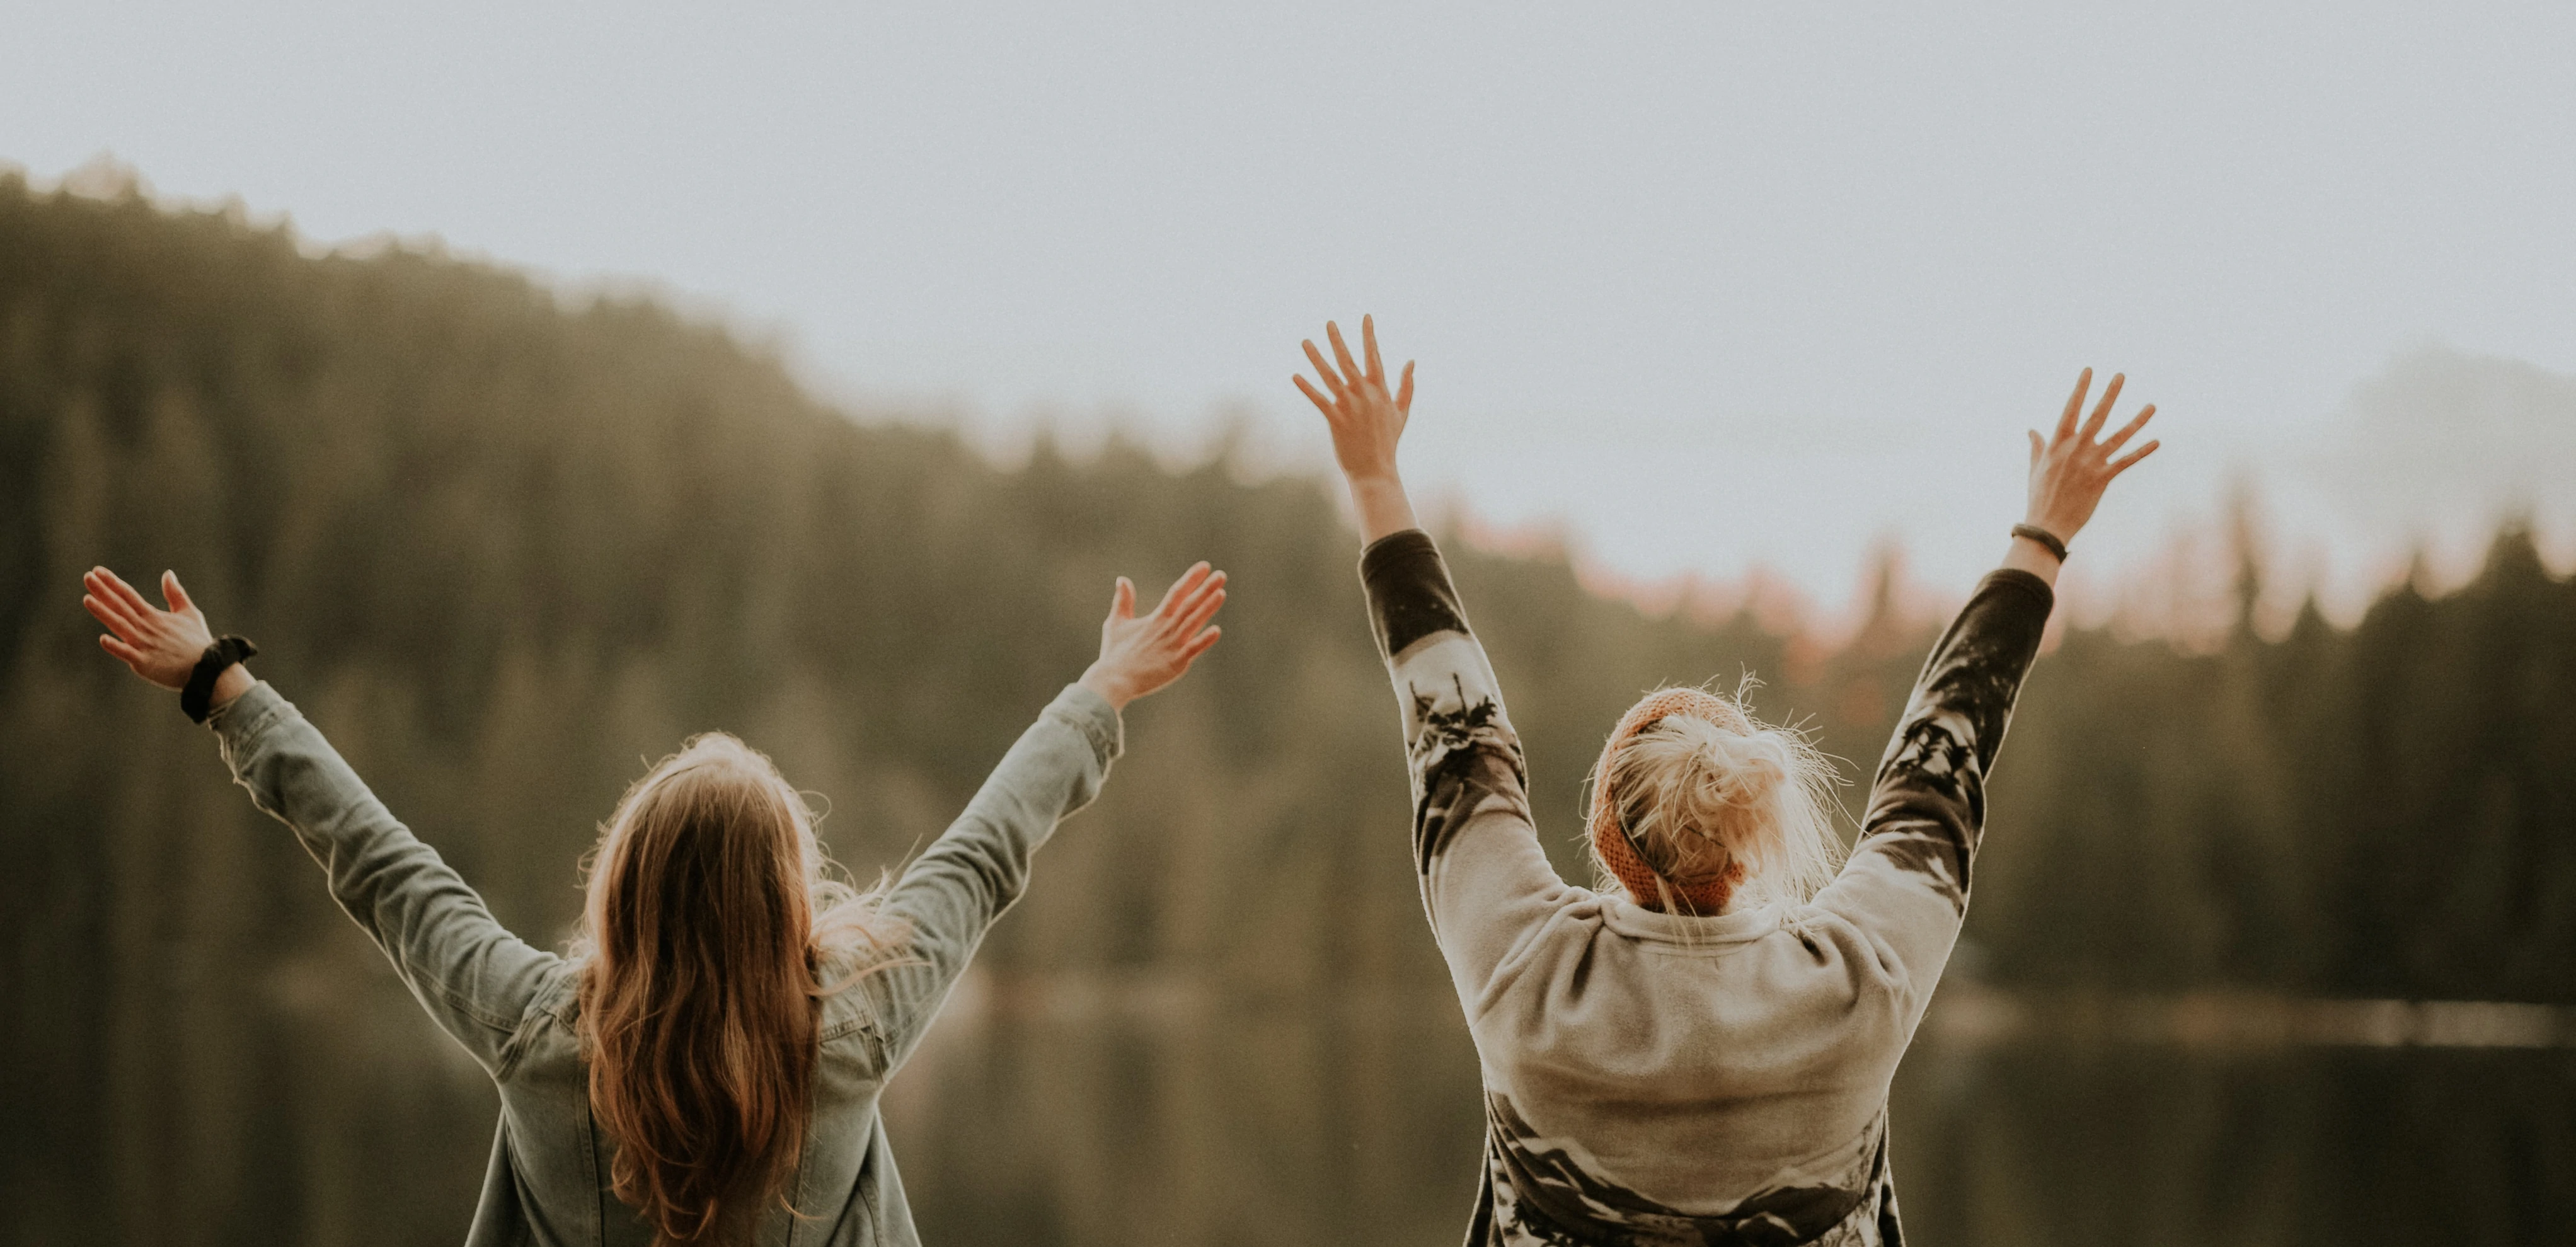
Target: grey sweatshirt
{"x":1653,"y":1079}
{"x":514,"y":1007}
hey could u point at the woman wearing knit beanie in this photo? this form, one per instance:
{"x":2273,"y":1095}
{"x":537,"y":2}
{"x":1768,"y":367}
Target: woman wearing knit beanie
{"x":1699,"y":1051}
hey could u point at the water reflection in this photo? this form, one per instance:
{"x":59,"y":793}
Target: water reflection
{"x":1238,"y":1122}
{"x":1244,"y":1123}
{"x":2107,"y":1144}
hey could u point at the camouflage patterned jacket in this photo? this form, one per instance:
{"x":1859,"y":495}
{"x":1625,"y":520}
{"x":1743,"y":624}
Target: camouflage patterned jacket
{"x":1653,"y":1079}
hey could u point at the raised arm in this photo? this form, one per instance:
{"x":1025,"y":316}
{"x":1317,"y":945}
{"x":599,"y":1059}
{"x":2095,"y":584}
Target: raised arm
{"x":473,"y":976}
{"x":1907,"y":880}
{"x":1485,"y":880}
{"x":967,"y":878}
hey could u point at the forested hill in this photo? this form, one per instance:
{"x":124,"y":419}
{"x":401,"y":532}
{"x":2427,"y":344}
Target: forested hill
{"x":503,"y":547}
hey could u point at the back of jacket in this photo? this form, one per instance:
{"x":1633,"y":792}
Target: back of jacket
{"x":548,"y":1180}
{"x":514,"y":1007}
{"x":1653,"y":1079}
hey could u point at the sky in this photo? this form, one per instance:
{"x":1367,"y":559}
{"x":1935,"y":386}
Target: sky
{"x":1695,"y":288}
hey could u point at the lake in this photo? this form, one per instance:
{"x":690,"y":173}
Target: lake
{"x":324,"y":1110}
{"x":1097,"y":1116}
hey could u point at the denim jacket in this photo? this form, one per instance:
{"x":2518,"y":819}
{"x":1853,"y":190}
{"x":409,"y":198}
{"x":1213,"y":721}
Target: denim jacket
{"x":513,"y":1006}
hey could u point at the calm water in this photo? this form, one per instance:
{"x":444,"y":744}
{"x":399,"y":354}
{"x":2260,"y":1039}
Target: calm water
{"x":1105,"y":1123}
{"x":1114,"y":1116}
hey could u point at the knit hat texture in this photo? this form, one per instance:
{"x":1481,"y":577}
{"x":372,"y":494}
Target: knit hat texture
{"x":1610,"y":841}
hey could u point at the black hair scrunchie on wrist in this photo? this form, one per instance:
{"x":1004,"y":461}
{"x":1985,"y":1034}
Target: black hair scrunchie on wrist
{"x":226,"y":651}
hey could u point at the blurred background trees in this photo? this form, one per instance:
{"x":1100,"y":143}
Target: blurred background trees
{"x":506,"y":547}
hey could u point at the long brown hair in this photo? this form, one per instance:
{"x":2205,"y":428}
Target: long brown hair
{"x":710,"y":922}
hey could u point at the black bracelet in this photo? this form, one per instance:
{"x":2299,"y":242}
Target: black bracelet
{"x":2047,"y":540}
{"x":211,"y":665}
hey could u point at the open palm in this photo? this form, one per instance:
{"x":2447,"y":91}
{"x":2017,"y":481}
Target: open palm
{"x":2069,"y":470}
{"x":1367,"y":417}
{"x":1141,"y":653}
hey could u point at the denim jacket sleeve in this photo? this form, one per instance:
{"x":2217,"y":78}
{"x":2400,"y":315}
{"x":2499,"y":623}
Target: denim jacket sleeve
{"x":965,"y":880}
{"x":475,"y":978}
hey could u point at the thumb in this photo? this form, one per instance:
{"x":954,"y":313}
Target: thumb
{"x":1122,"y":604}
{"x":2035,"y":448}
{"x":176,"y":597}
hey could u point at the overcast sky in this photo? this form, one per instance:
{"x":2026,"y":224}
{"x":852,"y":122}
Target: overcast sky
{"x":1710,"y":285}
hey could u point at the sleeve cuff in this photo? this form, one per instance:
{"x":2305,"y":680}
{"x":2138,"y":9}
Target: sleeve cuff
{"x":1393,"y":550}
{"x":2024,"y":581}
{"x":1097,"y":720}
{"x":244,"y":716}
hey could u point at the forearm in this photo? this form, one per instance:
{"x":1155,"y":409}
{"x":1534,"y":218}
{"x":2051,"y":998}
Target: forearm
{"x":1485,"y":878}
{"x":470,"y":973}
{"x":1443,"y":683}
{"x":235,"y":681}
{"x":1976,"y":668}
{"x":392,"y":884}
{"x":1383,"y":508}
{"x":980,"y":866}
{"x":1927,"y":806}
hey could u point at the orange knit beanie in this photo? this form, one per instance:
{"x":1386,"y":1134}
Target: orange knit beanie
{"x":1610,"y":840}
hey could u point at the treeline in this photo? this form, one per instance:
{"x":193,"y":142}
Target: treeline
{"x":505,"y":546}
{"x":2388,"y":811}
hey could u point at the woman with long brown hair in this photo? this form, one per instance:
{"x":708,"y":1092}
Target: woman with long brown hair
{"x":705,"y":1067}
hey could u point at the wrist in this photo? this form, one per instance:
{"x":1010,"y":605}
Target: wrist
{"x":2025,"y":555}
{"x":2043,"y":536}
{"x":235,"y":681}
{"x":220,"y":665}
{"x":2055,"y":527}
{"x":1111,"y":689}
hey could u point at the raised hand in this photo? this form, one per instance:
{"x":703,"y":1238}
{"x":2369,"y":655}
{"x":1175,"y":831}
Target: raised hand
{"x":1367,"y":421}
{"x":161,"y":646}
{"x":2069,"y":471}
{"x":1141,"y":655}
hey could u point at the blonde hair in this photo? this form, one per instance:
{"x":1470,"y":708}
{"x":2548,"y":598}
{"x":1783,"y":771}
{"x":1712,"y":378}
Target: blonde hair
{"x":1711,"y":802}
{"x":711,"y":916}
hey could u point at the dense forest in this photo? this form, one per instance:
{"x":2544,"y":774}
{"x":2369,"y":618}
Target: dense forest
{"x":504,"y":545}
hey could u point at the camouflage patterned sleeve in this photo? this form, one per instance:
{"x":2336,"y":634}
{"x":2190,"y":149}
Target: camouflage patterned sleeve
{"x":1484,"y":876}
{"x":1907,"y":881}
